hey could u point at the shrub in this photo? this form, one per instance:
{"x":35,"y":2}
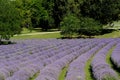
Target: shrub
{"x":9,"y":20}
{"x":89,"y":27}
{"x":70,"y":25}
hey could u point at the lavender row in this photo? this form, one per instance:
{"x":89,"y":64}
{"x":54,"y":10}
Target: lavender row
{"x":115,"y":57}
{"x":102,"y":70}
{"x":76,"y":68}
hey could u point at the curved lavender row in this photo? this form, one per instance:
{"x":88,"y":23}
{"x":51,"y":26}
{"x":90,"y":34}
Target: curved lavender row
{"x":115,"y":57}
{"x":23,"y":70}
{"x":51,"y":72}
{"x":100,"y":68}
{"x":76,"y":68}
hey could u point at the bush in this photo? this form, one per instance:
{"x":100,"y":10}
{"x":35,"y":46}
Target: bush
{"x":70,"y":25}
{"x":9,"y":20}
{"x":89,"y":27}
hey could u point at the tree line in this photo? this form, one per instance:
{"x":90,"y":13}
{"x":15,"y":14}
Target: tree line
{"x":72,"y":17}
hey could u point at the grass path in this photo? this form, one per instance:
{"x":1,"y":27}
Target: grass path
{"x":88,"y":71}
{"x":56,"y":34}
{"x":114,"y":34}
{"x":63,"y":73}
{"x":36,"y":33}
{"x":34,"y":76}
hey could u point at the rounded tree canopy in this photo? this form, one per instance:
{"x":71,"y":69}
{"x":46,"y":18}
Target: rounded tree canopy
{"x":9,"y":20}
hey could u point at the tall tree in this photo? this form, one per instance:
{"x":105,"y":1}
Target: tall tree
{"x":104,"y":11}
{"x":49,"y":7}
{"x":9,"y":20}
{"x":60,"y":9}
{"x":34,"y":13}
{"x":73,"y":6}
{"x":25,"y":12}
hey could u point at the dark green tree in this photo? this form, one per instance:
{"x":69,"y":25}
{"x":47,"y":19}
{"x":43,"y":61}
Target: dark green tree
{"x":40,"y":16}
{"x":9,"y":20}
{"x":59,"y":11}
{"x":104,"y":11}
{"x":49,"y":7}
{"x":73,"y":6}
{"x":24,"y":7}
{"x":70,"y":25}
{"x":73,"y":26}
{"x":89,"y":27}
{"x":35,"y":13}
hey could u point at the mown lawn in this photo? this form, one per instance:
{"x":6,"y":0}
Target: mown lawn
{"x":114,"y":34}
{"x":49,"y":35}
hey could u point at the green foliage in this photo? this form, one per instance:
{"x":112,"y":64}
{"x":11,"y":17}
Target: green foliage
{"x":73,"y":6}
{"x":9,"y":20}
{"x":104,"y":11}
{"x":89,"y":27}
{"x":70,"y":25}
{"x":23,"y":6}
{"x":48,"y":14}
{"x":49,"y":7}
{"x":40,"y":16}
{"x":59,"y":11}
{"x":34,"y":13}
{"x":88,"y":18}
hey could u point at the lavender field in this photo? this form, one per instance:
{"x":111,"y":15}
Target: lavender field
{"x":57,"y":59}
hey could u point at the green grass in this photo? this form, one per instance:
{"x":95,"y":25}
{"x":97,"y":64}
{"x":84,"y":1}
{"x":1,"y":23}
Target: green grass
{"x":88,"y":71}
{"x":109,"y":55}
{"x":35,"y":30}
{"x":114,"y":34}
{"x":34,"y":76}
{"x":63,"y":73}
{"x":25,"y":31}
{"x":49,"y":35}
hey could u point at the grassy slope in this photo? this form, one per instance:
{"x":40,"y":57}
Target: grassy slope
{"x":51,"y":35}
{"x":34,"y":76}
{"x":26,"y":31}
{"x":63,"y":73}
{"x":114,"y":34}
{"x":88,"y":72}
